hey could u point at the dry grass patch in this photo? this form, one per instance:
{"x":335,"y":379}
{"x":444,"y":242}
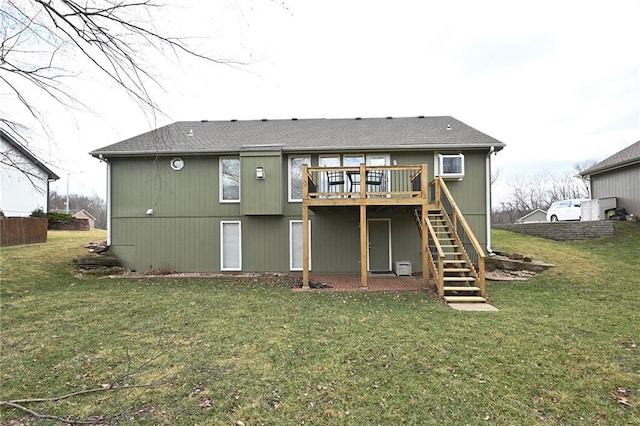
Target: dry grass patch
{"x":561,"y":350}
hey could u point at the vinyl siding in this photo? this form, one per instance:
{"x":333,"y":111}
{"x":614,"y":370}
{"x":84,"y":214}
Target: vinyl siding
{"x":469,"y":194}
{"x":624,"y":184}
{"x":183,"y":232}
{"x":261,"y":196}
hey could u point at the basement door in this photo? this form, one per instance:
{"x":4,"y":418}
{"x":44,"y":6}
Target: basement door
{"x":379,"y":236}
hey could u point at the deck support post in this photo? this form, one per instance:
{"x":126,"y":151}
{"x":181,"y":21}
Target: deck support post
{"x":305,"y":228}
{"x":363,"y":246}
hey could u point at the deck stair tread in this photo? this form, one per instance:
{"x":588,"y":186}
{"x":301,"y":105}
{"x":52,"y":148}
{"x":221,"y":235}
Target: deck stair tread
{"x":465,"y":299}
{"x":459,"y":279}
{"x":461,"y":288}
{"x":456,"y":270}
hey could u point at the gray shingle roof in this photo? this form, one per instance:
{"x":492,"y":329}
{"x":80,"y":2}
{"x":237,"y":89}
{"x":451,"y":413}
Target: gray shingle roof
{"x":629,"y":155}
{"x":304,"y":135}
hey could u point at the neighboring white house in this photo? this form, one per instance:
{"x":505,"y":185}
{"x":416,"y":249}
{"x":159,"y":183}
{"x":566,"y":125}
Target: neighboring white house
{"x":24,"y":180}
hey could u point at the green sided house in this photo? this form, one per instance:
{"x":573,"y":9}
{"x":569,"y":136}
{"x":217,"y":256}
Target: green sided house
{"x":324,"y":195}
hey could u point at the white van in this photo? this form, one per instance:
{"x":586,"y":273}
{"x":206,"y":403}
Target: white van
{"x":565,"y":210}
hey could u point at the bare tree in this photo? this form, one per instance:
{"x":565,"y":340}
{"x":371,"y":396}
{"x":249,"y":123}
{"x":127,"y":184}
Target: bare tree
{"x":41,"y":41}
{"x":93,"y":204}
{"x":580,"y":167}
{"x":495,"y":176}
{"x":36,"y":35}
{"x":539,"y":192}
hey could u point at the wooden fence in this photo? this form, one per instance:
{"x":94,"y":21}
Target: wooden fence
{"x":15,"y":231}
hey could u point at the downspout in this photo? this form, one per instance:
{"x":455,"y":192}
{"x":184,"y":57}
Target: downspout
{"x":488,"y":198}
{"x":108,"y":199}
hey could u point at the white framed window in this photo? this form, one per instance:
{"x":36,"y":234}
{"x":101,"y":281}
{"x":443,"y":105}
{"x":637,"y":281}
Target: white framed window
{"x":229,"y":179}
{"x":451,"y":166}
{"x":230,"y":245}
{"x":331,"y":160}
{"x":295,"y":245}
{"x":295,"y":176}
{"x":352,"y":160}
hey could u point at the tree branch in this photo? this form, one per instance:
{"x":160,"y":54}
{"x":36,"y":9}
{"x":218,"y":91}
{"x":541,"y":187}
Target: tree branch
{"x":19,"y":404}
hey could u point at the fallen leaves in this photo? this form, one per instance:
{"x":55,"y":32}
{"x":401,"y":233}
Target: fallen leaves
{"x":621,"y":396}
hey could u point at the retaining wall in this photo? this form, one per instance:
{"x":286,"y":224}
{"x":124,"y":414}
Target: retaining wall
{"x":70,"y":225}
{"x":562,"y":231}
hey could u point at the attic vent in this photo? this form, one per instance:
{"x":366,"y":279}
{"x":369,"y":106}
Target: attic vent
{"x":264,"y":119}
{"x":448,"y":126}
{"x":358,"y":118}
{"x":190,"y":132}
{"x":204,"y":121}
{"x":233,"y":120}
{"x":294,"y":119}
{"x":421,"y":116}
{"x":389,"y":118}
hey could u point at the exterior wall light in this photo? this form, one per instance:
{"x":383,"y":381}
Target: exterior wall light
{"x":260,"y":173}
{"x":149,"y":212}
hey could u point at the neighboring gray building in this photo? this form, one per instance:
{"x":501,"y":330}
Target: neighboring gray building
{"x":618,"y":176}
{"x":535,"y":216}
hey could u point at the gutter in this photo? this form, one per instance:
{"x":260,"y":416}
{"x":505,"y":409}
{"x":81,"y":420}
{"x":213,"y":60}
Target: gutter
{"x":294,"y":149}
{"x":488,"y":198}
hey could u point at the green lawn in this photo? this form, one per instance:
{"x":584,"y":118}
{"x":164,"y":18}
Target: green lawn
{"x":563,"y":349}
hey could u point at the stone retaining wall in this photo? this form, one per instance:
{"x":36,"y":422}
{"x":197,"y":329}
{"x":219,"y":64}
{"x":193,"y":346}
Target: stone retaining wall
{"x":562,"y":231}
{"x":70,"y":225}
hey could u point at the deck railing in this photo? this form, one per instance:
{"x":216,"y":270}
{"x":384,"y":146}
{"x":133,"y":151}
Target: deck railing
{"x":462,"y":232}
{"x":364,"y":181}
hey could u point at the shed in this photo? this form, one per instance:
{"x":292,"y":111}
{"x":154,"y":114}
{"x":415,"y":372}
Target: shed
{"x":83,"y":214}
{"x":535,"y":216}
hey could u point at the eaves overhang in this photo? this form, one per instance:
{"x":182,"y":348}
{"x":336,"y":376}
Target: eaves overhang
{"x":610,"y":168}
{"x":299,"y":149}
{"x":51,"y":176}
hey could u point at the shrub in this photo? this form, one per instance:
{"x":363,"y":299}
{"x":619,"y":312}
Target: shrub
{"x":38,"y":213}
{"x":59,"y":217}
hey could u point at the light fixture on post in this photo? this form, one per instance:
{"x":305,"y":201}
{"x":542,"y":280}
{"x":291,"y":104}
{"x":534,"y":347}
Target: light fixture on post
{"x":260,"y":175}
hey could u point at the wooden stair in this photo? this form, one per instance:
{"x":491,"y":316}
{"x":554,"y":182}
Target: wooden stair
{"x":459,"y":280}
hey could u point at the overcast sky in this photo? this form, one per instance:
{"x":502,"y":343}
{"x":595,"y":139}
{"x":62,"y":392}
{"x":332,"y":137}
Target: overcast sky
{"x":557,"y":81}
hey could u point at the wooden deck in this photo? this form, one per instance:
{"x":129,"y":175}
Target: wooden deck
{"x":376,"y":282}
{"x":363,"y":187}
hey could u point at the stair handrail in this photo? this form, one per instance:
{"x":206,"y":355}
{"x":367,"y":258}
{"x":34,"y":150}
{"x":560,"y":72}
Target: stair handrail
{"x":458,"y":218}
{"x":438,"y":272}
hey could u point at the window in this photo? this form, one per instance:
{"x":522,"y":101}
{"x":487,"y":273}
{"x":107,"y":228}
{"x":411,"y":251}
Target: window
{"x":295,"y":176}
{"x":451,"y":165}
{"x":229,"y":179}
{"x":350,"y":160}
{"x":352,"y":180}
{"x":230,"y":246}
{"x":177,"y":163}
{"x":295,"y":245}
